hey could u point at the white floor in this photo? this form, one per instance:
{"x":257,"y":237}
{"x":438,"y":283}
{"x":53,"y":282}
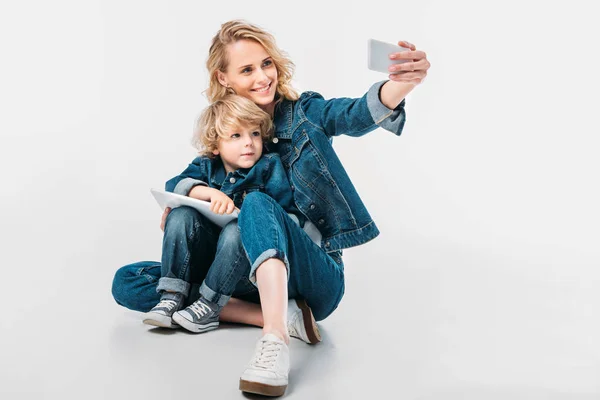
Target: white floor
{"x":434,"y":321}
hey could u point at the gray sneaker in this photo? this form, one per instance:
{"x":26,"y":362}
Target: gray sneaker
{"x":200,"y":316}
{"x":162,"y":313}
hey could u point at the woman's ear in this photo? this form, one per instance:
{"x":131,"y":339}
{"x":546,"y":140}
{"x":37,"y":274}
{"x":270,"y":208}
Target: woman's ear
{"x":222,"y":79}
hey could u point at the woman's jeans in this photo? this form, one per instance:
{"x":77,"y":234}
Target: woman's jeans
{"x":197,"y":258}
{"x":268,"y":232}
{"x":194,"y":250}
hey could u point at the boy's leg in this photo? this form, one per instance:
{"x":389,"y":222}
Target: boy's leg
{"x":189,"y":244}
{"x":230,"y":265}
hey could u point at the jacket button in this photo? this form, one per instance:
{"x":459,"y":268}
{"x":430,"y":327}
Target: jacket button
{"x":293,"y":188}
{"x":312,"y":206}
{"x":232,"y":180}
{"x":275,"y":140}
{"x":327,"y":244}
{"x":321,"y":221}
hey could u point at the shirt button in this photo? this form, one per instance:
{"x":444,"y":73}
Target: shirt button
{"x":312,"y":206}
{"x":293,"y":188}
{"x":275,"y":140}
{"x":327,"y":244}
{"x":321,"y":221}
{"x":232,"y":180}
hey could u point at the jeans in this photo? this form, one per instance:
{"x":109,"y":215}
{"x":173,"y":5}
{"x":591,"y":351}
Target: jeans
{"x":267,"y":231}
{"x":198,"y":258}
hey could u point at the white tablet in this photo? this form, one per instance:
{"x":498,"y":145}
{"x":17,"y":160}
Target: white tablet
{"x":173,"y":200}
{"x":379,"y":55}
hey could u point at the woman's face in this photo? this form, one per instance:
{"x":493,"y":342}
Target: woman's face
{"x":251,"y":72}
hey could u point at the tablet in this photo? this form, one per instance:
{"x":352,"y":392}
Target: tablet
{"x":173,"y":200}
{"x":379,"y":55}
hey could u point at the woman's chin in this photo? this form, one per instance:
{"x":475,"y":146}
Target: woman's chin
{"x":262,"y":100}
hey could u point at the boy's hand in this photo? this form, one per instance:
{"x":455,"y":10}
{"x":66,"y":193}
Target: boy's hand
{"x":220,"y":203}
{"x":163,"y":220}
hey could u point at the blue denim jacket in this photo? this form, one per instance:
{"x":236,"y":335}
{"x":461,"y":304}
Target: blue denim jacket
{"x":267,"y":176}
{"x":322,"y":189}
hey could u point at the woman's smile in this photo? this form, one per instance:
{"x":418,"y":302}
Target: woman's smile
{"x":265,"y":89}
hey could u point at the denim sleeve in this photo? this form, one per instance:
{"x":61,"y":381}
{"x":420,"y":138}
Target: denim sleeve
{"x":353,"y":117}
{"x":390,"y":120}
{"x":195,"y":174}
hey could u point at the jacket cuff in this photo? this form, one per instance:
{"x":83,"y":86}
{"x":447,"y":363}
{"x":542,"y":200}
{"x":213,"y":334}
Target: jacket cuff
{"x":390,"y":120}
{"x":186,"y":185}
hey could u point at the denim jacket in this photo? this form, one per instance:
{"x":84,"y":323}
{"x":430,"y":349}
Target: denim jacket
{"x":267,"y":176}
{"x":321,"y":187}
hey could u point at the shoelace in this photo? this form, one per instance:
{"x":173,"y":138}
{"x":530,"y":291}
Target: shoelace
{"x":168,"y":304}
{"x":267,"y":354}
{"x":200,"y":309}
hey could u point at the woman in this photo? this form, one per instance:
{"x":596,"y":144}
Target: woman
{"x":287,"y":259}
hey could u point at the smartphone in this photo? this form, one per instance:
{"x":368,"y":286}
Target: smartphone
{"x":379,"y":55}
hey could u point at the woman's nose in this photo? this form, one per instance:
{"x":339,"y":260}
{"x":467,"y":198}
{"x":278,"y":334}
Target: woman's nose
{"x":261,"y":76}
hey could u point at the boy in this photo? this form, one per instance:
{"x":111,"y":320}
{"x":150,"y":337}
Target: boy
{"x":230,"y":136}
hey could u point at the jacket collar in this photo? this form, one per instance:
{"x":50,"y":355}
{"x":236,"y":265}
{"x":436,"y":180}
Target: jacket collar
{"x":283,"y":119}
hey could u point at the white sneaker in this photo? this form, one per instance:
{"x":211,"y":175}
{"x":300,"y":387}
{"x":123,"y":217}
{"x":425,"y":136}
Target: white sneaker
{"x":267,"y":372}
{"x":301,"y":323}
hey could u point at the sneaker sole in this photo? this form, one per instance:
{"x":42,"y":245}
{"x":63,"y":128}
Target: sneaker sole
{"x":261,"y":388}
{"x":159,"y":320}
{"x":310,"y":325}
{"x":192,"y":327}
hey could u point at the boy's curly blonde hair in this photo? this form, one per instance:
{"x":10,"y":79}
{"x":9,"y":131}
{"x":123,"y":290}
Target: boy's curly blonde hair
{"x":226,"y":114}
{"x":235,"y":30}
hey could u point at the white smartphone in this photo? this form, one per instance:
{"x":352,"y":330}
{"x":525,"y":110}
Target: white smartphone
{"x":379,"y":55}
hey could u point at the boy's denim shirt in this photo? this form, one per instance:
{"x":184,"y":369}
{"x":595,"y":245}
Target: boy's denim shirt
{"x":321,"y":187}
{"x":267,"y":176}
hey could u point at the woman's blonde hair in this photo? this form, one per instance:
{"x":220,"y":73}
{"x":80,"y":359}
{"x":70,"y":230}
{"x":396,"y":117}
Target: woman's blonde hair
{"x":235,"y":30}
{"x":226,"y":114}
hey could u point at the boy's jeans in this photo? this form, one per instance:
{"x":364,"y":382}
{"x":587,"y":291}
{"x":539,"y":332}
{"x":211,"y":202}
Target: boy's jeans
{"x":195,"y":251}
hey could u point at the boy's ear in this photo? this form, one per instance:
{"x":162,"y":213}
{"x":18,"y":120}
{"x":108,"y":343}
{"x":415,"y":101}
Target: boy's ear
{"x":221,"y":78}
{"x":215,"y":152}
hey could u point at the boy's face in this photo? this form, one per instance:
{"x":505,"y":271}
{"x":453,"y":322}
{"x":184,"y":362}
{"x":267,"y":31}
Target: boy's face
{"x":241,"y":148}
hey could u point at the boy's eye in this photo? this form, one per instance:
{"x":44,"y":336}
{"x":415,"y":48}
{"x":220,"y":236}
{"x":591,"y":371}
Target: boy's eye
{"x":235,"y":136}
{"x":255,"y":133}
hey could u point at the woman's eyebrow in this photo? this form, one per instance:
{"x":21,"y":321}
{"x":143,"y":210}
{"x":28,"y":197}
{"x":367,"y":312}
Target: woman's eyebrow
{"x":249,"y":65}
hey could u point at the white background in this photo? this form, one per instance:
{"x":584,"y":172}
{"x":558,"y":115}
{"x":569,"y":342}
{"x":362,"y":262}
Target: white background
{"x":483,"y":283}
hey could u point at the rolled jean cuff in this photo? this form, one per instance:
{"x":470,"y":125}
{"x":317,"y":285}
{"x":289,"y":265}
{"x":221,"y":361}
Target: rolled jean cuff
{"x":271,"y":253}
{"x":213,"y":296}
{"x":173,"y":285}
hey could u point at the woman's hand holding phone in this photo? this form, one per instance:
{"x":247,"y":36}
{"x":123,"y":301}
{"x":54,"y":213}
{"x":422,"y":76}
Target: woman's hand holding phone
{"x":414,"y":69}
